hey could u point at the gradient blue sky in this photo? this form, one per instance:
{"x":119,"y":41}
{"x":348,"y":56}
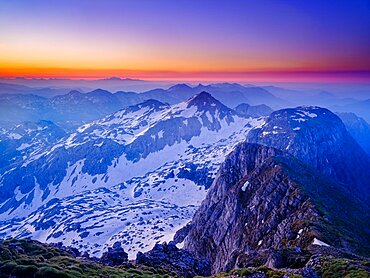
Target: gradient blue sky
{"x":165,"y":38}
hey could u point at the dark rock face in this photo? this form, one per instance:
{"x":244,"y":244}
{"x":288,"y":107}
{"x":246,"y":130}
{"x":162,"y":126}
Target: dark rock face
{"x":114,"y":256}
{"x":319,"y":138}
{"x":180,"y":261}
{"x":182,"y":233}
{"x":245,"y":208}
{"x":263,"y":198}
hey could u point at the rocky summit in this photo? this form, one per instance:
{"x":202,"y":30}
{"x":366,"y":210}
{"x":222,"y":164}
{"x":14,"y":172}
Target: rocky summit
{"x":319,"y":138}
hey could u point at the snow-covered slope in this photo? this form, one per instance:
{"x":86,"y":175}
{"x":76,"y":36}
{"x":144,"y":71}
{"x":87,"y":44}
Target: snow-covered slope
{"x":17,"y":142}
{"x":136,"y":176}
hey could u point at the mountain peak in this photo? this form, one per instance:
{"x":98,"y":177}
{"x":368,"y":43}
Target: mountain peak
{"x":181,"y":86}
{"x":74,"y":93}
{"x":113,"y":78}
{"x":203,"y":101}
{"x":304,"y":115}
{"x":100,"y":92}
{"x":202,"y":97}
{"x":152,"y":103}
{"x":200,"y":86}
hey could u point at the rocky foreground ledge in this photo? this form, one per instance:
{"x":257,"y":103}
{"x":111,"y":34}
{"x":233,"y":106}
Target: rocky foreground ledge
{"x":27,"y":258}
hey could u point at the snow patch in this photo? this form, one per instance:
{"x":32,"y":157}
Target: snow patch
{"x":299,"y":120}
{"x":14,"y":136}
{"x":245,"y":185}
{"x":180,"y":245}
{"x":308,"y":114}
{"x":23,"y":146}
{"x":319,"y":242}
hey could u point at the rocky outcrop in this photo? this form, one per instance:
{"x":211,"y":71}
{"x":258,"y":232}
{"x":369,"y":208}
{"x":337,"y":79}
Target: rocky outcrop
{"x":182,"y":233}
{"x":169,"y":257}
{"x":319,"y":138}
{"x":114,"y":256}
{"x":263,"y":198}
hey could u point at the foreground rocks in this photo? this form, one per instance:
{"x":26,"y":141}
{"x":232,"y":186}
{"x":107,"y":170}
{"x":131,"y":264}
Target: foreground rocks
{"x":174,"y":259}
{"x":114,"y":256}
{"x":26,"y":258}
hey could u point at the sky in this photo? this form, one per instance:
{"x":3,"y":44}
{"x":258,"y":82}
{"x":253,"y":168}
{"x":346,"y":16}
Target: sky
{"x":187,"y":40}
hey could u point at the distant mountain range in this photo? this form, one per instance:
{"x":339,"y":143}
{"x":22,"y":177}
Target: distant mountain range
{"x":48,"y":87}
{"x":75,"y":108}
{"x":360,"y":108}
{"x":358,"y":128}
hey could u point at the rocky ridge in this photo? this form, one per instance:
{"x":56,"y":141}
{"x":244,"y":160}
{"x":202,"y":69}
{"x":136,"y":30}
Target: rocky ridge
{"x":263,"y":198}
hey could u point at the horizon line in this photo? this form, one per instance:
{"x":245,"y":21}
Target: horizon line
{"x":238,"y":76}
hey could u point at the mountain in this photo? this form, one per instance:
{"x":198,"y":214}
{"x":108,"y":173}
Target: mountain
{"x":358,"y":128}
{"x":127,"y":180}
{"x":69,"y":110}
{"x":128,"y":98}
{"x":9,"y":88}
{"x":181,"y":88}
{"x":25,"y":139}
{"x":253,"y":110}
{"x":311,"y":96}
{"x":136,"y":175}
{"x":74,"y":108}
{"x":60,"y":84}
{"x":162,"y":95}
{"x":319,"y":138}
{"x":252,"y":95}
{"x":20,"y":108}
{"x":266,"y":207}
{"x":230,"y":94}
{"x":85,"y":106}
{"x":6,"y":88}
{"x":360,"y":108}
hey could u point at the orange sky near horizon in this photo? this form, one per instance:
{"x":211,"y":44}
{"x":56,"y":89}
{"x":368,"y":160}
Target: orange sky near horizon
{"x":294,"y":75}
{"x":177,"y":40}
